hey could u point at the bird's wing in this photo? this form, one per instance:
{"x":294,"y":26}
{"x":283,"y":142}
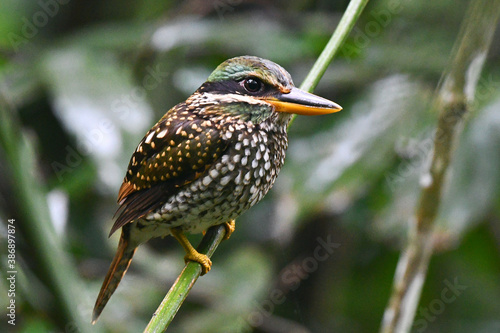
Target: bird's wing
{"x":175,"y":152}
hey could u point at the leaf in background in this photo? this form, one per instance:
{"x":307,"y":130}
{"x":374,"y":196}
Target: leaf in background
{"x":96,"y":100}
{"x":268,"y":39}
{"x":359,"y":148}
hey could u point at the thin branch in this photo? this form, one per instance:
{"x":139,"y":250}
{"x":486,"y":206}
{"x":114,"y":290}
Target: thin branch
{"x":165,"y":313}
{"x":347,"y":22}
{"x":452,"y":100}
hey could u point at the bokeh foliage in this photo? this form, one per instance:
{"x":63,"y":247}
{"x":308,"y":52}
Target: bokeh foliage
{"x":89,"y":83}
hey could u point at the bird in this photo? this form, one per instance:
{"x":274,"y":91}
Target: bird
{"x":207,"y":160}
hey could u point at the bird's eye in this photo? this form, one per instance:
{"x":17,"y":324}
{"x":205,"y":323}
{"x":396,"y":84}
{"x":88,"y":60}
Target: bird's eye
{"x":252,"y":85}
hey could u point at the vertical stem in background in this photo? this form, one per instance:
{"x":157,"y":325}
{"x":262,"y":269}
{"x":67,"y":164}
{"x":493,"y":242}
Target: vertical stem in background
{"x":168,"y":308}
{"x":452,"y":101}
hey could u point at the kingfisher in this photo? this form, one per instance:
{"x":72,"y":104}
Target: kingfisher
{"x":207,"y":160}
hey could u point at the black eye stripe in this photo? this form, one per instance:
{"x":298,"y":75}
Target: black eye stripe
{"x":236,"y":86}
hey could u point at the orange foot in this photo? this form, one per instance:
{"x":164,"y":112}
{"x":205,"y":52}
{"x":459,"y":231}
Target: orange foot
{"x":202,"y":259}
{"x":191,"y":253}
{"x":230,"y":227}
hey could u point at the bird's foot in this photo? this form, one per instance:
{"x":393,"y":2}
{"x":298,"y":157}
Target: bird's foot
{"x":202,"y":259}
{"x":230,"y":227}
{"x":191,"y":253}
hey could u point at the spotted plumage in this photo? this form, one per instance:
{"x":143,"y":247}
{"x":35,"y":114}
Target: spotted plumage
{"x":208,"y":159}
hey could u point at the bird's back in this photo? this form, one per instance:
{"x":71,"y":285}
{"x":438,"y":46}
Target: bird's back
{"x":244,"y":172}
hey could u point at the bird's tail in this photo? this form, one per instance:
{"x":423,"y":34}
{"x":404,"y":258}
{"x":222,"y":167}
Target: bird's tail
{"x":117,"y":270}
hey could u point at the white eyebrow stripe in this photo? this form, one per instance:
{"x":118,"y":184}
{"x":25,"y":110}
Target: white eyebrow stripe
{"x":232,"y":98}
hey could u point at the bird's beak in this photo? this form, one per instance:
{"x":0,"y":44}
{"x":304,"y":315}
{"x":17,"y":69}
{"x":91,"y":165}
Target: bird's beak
{"x":301,"y":102}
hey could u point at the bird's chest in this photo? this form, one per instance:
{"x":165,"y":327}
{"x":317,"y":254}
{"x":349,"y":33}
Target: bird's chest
{"x":234,"y":183}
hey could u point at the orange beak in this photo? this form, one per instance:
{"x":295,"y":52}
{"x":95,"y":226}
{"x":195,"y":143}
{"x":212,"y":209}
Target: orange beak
{"x":300,"y":102}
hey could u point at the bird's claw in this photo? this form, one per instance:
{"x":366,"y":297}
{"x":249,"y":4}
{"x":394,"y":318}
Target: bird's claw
{"x":230,"y":227}
{"x":202,"y":259}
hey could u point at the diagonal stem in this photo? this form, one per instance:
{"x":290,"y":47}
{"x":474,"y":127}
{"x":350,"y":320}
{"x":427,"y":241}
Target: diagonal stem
{"x":347,"y":22}
{"x":168,"y":308}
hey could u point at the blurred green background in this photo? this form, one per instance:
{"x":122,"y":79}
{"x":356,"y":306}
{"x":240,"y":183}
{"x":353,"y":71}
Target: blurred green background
{"x":82,"y":81}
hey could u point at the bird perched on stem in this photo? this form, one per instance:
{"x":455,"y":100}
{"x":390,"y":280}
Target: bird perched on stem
{"x":208,"y":160}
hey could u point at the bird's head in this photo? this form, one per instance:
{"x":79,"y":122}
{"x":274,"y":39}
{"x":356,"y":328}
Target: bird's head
{"x":254,"y":89}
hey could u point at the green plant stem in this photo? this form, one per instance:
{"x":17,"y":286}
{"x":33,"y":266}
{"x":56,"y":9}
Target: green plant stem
{"x":35,"y":220}
{"x":347,"y":22}
{"x":166,"y":311}
{"x":452,"y":100}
